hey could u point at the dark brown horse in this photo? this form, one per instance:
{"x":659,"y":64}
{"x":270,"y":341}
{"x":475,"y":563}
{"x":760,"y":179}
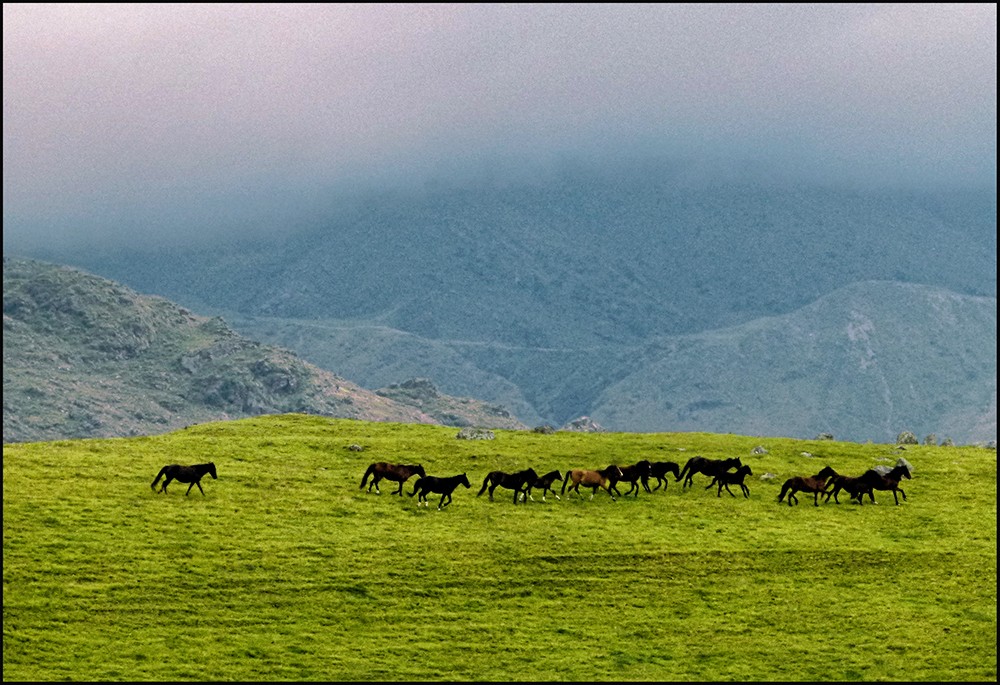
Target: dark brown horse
{"x":710,"y":467}
{"x":544,"y":483}
{"x":519,"y":482}
{"x":852,"y":485}
{"x":814,"y":484}
{"x":591,"y":479}
{"x":439,"y":486}
{"x":725,"y":479}
{"x":659,"y":471}
{"x":873,"y":480}
{"x":185,"y":474}
{"x":632,"y":474}
{"x":399,"y":473}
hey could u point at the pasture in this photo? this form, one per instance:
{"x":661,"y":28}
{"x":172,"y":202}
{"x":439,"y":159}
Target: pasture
{"x":285,"y":569}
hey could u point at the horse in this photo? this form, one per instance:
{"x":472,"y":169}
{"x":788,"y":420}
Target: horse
{"x":631,"y":474}
{"x":852,"y":485}
{"x":814,"y":484}
{"x":710,"y":467}
{"x":185,"y":474}
{"x":591,"y":479}
{"x":545,"y":484}
{"x":726,"y":479}
{"x":659,"y":471}
{"x":873,"y":480}
{"x":519,"y":482}
{"x":396,"y":472}
{"x":440,"y":486}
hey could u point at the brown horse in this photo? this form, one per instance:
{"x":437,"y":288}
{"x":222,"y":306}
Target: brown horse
{"x":440,"y":486}
{"x":395,"y":472}
{"x":725,"y":479}
{"x":852,"y":485}
{"x":873,"y":480}
{"x":659,"y":471}
{"x":544,"y":483}
{"x":518,"y":481}
{"x":185,"y":474}
{"x":591,"y":479}
{"x":710,"y":467}
{"x":632,"y":474}
{"x":814,"y":484}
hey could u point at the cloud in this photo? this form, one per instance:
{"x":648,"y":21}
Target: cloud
{"x":126,"y":116}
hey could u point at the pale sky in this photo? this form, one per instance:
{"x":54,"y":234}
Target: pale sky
{"x":194,"y":117}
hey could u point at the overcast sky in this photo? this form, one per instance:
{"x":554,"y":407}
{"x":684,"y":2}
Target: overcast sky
{"x":190,"y":117}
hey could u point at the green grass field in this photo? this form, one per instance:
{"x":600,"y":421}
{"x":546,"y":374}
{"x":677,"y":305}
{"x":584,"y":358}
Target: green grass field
{"x":286,"y":570}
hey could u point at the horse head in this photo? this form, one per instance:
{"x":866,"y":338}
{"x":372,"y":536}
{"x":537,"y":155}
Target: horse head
{"x":465,"y":481}
{"x":211,"y":470}
{"x":827,"y":472}
{"x":419,"y":470}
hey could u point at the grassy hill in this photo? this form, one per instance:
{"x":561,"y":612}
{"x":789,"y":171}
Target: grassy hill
{"x":87,"y":357}
{"x":286,"y":570}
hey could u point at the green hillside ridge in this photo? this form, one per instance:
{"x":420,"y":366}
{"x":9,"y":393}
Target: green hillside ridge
{"x":288,"y":570}
{"x":86,"y":357}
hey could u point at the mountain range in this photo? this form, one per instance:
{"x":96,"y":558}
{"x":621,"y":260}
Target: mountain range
{"x":648,"y":299}
{"x":86,"y":357}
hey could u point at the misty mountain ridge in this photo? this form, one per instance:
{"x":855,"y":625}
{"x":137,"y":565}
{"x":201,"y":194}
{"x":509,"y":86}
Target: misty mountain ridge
{"x":546,"y":297}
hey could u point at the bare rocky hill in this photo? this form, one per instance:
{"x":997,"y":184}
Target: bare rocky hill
{"x":86,"y":357}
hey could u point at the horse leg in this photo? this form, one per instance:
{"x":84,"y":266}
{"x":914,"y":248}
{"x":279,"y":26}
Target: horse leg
{"x":190,"y":486}
{"x":164,"y":488}
{"x":727,"y":490}
{"x":746,"y":490}
{"x":198,"y":483}
{"x":791,"y":496}
{"x":903,"y":493}
{"x":399,"y":490}
{"x":816,"y":497}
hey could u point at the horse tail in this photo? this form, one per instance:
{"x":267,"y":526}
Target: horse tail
{"x":784,"y":489}
{"x":370,"y":471}
{"x":566,"y":480}
{"x":683,"y":472}
{"x":485,"y":484}
{"x":157,"y":479}
{"x":416,"y":486}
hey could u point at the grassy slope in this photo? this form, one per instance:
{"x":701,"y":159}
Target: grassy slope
{"x":286,"y":570}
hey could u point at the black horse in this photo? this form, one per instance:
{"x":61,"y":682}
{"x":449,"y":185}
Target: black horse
{"x":659,"y":471}
{"x":544,"y":483}
{"x":710,"y":467}
{"x":440,"y":486}
{"x":873,"y":480}
{"x":724,"y":480}
{"x":395,"y":472}
{"x":631,"y":474}
{"x":185,"y":474}
{"x":519,"y":482}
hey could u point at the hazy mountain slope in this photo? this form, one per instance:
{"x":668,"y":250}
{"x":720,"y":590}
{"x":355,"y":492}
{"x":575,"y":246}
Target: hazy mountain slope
{"x":86,"y":357}
{"x":580,"y":261}
{"x":864,"y":362}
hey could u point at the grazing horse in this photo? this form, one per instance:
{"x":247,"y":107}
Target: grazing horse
{"x":591,"y":479}
{"x":631,"y":474}
{"x":440,"y":486}
{"x":814,"y":484}
{"x":726,"y":479}
{"x":852,"y":485}
{"x":873,"y":480}
{"x":659,"y":471}
{"x":519,"y":482}
{"x":544,"y":483}
{"x":396,"y":472}
{"x":185,"y":474}
{"x":710,"y":467}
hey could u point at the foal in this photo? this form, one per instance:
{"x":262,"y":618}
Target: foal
{"x":544,"y":483}
{"x":441,"y":486}
{"x":726,"y":479}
